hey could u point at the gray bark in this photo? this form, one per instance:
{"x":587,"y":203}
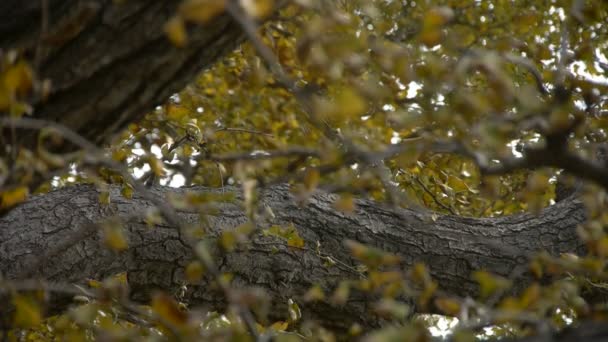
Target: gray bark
{"x":109,"y":62}
{"x":451,"y":246}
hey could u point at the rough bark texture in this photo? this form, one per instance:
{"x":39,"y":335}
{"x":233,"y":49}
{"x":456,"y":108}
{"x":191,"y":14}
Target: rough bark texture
{"x":451,"y":246}
{"x":109,"y":61}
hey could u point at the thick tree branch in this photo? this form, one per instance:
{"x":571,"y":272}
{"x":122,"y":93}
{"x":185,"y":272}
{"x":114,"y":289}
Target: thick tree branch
{"x":109,"y":62}
{"x":451,"y":246}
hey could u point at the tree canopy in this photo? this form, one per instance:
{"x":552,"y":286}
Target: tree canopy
{"x":305,"y":169}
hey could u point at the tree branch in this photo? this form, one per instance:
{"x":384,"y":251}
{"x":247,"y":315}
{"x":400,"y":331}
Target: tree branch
{"x":451,"y":246}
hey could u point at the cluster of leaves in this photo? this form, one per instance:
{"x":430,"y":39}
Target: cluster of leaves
{"x":388,"y":78}
{"x":378,"y":88}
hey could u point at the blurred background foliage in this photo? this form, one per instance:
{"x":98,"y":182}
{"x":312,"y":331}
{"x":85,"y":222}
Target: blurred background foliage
{"x":382,"y":75}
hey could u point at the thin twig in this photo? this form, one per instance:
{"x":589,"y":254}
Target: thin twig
{"x":94,"y":154}
{"x":430,"y":193}
{"x":262,"y":155}
{"x":243,"y":130}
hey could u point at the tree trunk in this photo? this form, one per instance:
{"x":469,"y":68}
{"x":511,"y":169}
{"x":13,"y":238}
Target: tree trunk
{"x":109,"y":61}
{"x":451,"y":246}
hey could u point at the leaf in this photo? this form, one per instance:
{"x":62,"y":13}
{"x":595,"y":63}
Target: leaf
{"x":489,"y":283}
{"x":341,"y":294}
{"x":12,"y":197}
{"x":258,"y":8}
{"x":126,"y":191}
{"x":114,"y":236}
{"x":350,"y":103}
{"x":315,"y":293}
{"x":290,"y":234}
{"x":175,"y":29}
{"x":345,"y":203}
{"x":420,"y":273}
{"x":27,"y":311}
{"x":295,"y":314}
{"x":391,"y":309}
{"x":311,"y":179}
{"x":201,"y":11}
{"x":433,"y":21}
{"x":228,"y":241}
{"x":449,"y":306}
{"x":177,"y":113}
{"x":157,"y":166}
{"x":104,"y":197}
{"x":279,"y":326}
{"x":295,"y":240}
{"x":168,"y":309}
{"x":194,"y":272}
{"x":457,"y":184}
{"x":19,"y":78}
{"x":370,"y":256}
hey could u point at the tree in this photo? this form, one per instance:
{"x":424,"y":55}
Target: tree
{"x":414,"y":137}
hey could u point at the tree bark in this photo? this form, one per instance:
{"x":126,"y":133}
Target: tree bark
{"x":451,"y":246}
{"x":109,"y":61}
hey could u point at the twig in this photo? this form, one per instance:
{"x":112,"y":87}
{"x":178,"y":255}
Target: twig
{"x":243,"y":130}
{"x":430,"y":193}
{"x":96,"y":155}
{"x":304,"y":97}
{"x":289,"y":152}
{"x":528,"y":65}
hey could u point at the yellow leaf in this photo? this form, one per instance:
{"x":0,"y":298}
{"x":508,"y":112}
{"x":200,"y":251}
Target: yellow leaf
{"x":12,"y":197}
{"x":345,"y":204}
{"x":489,"y":283}
{"x":449,"y":306}
{"x":341,"y":294}
{"x":201,"y":11}
{"x":175,"y":29}
{"x":438,"y":16}
{"x":602,"y":247}
{"x":427,"y":293}
{"x":19,"y":78}
{"x":114,"y":236}
{"x":228,"y":241}
{"x":27,"y":312}
{"x":258,"y":8}
{"x":168,"y":309}
{"x":431,"y":36}
{"x":311,"y":179}
{"x":530,"y":295}
{"x":391,"y":309}
{"x":295,"y":241}
{"x":420,"y":273}
{"x":120,"y":155}
{"x":536,"y":268}
{"x":94,"y":283}
{"x":194,"y":272}
{"x":433,"y":21}
{"x":119,"y":278}
{"x":176,"y":113}
{"x":279,"y":326}
{"x":315,"y":293}
{"x":350,"y":104}
{"x":127,"y":191}
{"x":157,"y":166}
{"x":457,"y":184}
{"x":104,"y":197}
